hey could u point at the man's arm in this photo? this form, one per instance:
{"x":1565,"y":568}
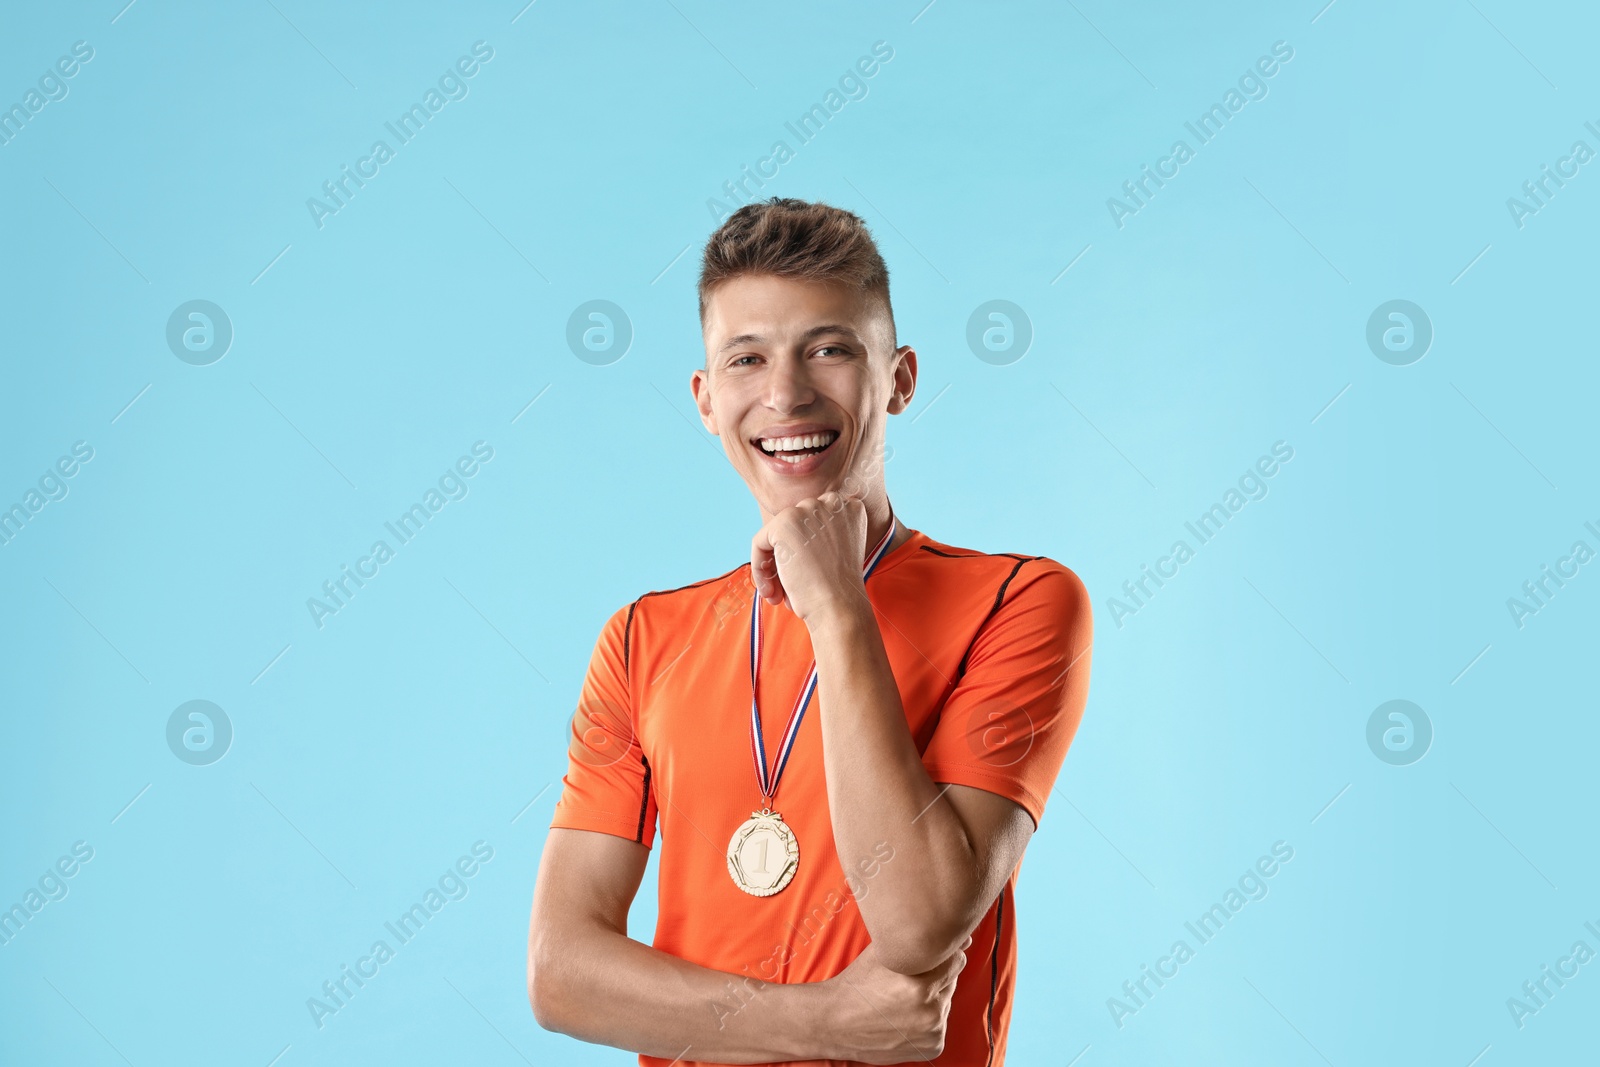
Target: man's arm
{"x":955,"y":846}
{"x":589,"y":980}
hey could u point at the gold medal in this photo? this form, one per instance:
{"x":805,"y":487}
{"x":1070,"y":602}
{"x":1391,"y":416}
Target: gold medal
{"x":763,"y":854}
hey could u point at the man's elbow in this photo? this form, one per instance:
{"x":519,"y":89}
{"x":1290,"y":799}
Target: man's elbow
{"x":545,"y":991}
{"x":916,"y":951}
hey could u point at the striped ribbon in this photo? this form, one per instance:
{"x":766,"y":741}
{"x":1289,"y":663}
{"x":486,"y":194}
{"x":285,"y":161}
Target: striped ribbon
{"x":758,"y":745}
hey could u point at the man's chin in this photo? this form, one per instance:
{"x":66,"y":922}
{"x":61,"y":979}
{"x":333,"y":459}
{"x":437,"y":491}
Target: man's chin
{"x":777,"y":490}
{"x":777,"y":493}
{"x":794,"y":491}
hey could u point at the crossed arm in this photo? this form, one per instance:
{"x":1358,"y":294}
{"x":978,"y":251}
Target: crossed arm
{"x":954,"y":848}
{"x":589,"y":980}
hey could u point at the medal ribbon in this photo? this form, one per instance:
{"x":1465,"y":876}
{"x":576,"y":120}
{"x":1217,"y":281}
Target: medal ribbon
{"x":769,"y":785}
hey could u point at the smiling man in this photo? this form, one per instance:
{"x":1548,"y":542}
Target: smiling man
{"x":845,"y":742}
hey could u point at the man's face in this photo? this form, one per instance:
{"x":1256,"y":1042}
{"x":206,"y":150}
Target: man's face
{"x":799,"y":381}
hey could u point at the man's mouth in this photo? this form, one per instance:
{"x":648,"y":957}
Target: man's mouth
{"x":796,"y":449}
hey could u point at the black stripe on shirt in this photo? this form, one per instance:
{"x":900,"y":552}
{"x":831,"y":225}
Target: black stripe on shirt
{"x":976,"y":555}
{"x":644,"y":801}
{"x":999,"y":598}
{"x":994,"y":972}
{"x":663,"y":592}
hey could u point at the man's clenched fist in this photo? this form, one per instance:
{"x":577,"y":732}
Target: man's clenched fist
{"x":810,"y":555}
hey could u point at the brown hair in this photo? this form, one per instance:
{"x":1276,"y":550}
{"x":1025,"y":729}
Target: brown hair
{"x":792,"y":238}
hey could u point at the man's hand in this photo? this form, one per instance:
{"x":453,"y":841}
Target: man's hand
{"x":811,"y":555}
{"x":883,"y":1016}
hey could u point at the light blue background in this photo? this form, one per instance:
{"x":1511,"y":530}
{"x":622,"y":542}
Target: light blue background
{"x":432,"y":711}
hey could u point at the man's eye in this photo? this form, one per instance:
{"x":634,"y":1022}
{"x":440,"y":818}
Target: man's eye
{"x":830,"y":348}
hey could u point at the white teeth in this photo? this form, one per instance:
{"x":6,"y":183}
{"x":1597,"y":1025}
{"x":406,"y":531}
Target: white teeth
{"x":794,"y":444}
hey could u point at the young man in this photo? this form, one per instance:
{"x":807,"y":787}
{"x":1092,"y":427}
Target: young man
{"x":840,"y":843}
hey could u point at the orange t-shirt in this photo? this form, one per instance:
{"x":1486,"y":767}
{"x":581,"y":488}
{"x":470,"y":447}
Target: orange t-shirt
{"x":991,"y":656}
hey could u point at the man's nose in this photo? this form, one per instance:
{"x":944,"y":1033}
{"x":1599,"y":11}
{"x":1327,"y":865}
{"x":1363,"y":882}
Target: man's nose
{"x":789,"y":384}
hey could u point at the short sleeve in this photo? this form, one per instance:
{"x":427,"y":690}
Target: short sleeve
{"x":607,"y":784}
{"x":1014,"y":710}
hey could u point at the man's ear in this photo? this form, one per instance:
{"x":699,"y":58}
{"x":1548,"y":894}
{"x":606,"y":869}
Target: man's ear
{"x":904,"y":383}
{"x":700,"y":389}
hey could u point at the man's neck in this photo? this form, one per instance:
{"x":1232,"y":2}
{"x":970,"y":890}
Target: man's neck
{"x":876,"y":531}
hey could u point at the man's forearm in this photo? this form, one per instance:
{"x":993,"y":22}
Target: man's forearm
{"x":878,"y":790}
{"x":607,"y":988}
